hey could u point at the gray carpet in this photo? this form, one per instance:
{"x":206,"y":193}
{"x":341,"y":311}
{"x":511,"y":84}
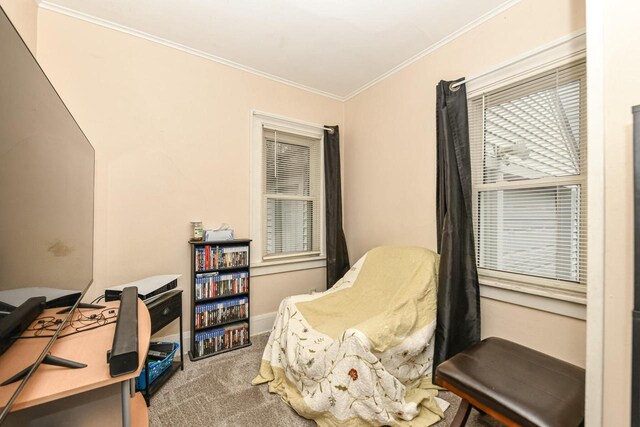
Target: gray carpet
{"x":217,"y":392}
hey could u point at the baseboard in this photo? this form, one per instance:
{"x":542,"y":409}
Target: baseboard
{"x":260,"y":324}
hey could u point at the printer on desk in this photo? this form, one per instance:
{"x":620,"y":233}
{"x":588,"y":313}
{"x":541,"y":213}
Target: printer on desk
{"x":147,"y":288}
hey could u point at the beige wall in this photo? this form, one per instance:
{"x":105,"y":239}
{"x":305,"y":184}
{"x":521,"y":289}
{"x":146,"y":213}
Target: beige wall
{"x":172,"y":138}
{"x":24,"y":16}
{"x":390,"y":160}
{"x":563,"y":337}
{"x":622,"y":91}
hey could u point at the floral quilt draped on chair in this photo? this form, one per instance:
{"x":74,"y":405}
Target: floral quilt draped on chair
{"x":361,"y":353}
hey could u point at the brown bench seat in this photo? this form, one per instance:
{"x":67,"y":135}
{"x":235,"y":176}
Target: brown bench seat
{"x":514,"y":384}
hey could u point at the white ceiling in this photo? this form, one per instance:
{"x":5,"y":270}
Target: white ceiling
{"x":335,"y":47}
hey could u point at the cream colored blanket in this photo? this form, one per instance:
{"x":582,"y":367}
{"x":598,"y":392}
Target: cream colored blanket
{"x":360,"y":354}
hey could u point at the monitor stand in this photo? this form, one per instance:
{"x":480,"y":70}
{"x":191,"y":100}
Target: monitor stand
{"x":48,"y":360}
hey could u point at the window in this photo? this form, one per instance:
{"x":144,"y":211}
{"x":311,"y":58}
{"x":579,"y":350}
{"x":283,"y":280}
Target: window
{"x":288,"y":199}
{"x":528,"y":155}
{"x":291,"y":194}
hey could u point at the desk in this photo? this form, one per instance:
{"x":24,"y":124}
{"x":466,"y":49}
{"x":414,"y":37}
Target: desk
{"x":51,"y":383}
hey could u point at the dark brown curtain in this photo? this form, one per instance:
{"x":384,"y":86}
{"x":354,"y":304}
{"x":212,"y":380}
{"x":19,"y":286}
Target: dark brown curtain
{"x":337,"y":255}
{"x":635,"y":368}
{"x":458,"y":318}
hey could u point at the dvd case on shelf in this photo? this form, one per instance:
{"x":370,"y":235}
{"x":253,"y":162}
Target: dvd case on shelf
{"x":213,"y":285}
{"x":211,"y":314}
{"x":210,"y":257}
{"x":216,"y":340}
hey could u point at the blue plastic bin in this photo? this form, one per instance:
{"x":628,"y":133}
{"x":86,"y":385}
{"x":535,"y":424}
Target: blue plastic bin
{"x":156,"y":368}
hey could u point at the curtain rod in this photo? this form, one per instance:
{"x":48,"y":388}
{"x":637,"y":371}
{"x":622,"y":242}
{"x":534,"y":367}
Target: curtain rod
{"x":330,"y":130}
{"x":273,"y":116}
{"x":456,"y":85}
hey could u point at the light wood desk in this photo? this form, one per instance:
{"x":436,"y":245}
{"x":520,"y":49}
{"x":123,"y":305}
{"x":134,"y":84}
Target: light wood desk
{"x":51,"y":383}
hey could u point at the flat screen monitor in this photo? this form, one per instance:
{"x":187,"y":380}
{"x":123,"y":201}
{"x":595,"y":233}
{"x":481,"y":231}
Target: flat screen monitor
{"x":46,"y":196}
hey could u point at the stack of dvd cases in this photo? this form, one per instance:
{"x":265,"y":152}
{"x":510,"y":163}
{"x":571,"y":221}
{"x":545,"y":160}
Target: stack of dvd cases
{"x":214,"y":313}
{"x":210,"y":257}
{"x":212,"y":285}
{"x":219,"y":339}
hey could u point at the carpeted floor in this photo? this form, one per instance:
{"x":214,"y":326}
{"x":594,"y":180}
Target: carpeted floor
{"x":218,"y":392}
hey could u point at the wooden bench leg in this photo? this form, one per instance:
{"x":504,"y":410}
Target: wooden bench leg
{"x":462,"y":415}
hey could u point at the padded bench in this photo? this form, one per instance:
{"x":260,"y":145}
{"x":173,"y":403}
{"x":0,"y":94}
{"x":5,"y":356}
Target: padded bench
{"x":514,"y":384}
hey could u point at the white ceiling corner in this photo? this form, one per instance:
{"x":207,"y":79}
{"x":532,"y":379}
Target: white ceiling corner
{"x":333,"y":48}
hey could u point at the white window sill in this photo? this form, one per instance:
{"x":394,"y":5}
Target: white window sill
{"x":549,"y":300}
{"x":282,"y":266}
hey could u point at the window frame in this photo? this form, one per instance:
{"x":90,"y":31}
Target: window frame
{"x":262,"y":264}
{"x":552,"y":295}
{"x":477,"y":187}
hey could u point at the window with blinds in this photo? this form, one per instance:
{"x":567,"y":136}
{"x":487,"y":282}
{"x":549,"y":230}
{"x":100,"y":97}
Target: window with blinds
{"x":529,"y":158}
{"x":291,"y":194}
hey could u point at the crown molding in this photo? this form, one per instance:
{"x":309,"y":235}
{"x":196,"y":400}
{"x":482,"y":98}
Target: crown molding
{"x":560,"y":51}
{"x":448,"y":39}
{"x":46,"y":4}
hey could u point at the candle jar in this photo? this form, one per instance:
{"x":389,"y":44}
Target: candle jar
{"x":196,"y":231}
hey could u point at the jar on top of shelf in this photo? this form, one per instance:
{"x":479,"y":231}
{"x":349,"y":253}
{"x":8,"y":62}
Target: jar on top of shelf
{"x":196,"y":230}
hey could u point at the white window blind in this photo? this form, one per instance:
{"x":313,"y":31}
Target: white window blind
{"x":292,"y":191}
{"x":528,"y":155}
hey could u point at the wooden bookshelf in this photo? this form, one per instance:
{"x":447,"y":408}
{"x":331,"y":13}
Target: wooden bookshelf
{"x":220,"y":297}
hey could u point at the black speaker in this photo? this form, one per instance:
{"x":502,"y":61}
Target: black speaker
{"x":124,"y":357}
{"x":18,"y":320}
